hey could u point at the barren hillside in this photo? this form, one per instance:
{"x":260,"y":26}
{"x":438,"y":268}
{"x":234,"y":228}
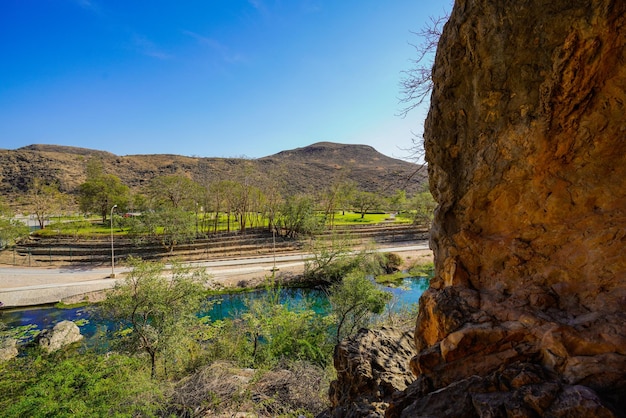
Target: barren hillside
{"x":300,"y":170}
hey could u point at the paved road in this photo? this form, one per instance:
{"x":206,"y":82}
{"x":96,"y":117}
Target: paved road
{"x":35,"y":286}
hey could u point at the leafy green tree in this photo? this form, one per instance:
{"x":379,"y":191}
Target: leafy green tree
{"x":354,"y":301}
{"x":100,"y":194}
{"x":346,"y":193}
{"x":170,"y":226}
{"x":158,"y":310}
{"x":279,"y":331}
{"x":397,"y":201}
{"x":331,"y":258}
{"x":44,"y":199}
{"x":422,"y":207}
{"x":10,"y":229}
{"x":337,"y":196}
{"x":297,"y":216}
{"x":365,"y":201}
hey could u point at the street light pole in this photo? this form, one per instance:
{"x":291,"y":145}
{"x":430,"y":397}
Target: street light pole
{"x":112,"y":250}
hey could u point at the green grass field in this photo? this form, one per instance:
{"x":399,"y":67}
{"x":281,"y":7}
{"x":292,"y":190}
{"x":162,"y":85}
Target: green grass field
{"x":82,"y":227}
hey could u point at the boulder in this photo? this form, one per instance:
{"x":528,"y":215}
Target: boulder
{"x":63,"y":333}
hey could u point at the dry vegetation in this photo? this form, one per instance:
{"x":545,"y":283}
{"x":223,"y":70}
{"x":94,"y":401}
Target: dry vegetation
{"x":222,"y":390}
{"x":302,"y":170}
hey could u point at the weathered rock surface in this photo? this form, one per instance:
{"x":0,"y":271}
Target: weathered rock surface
{"x":372,"y":367}
{"x":63,"y":333}
{"x":526,"y":145}
{"x":8,"y":349}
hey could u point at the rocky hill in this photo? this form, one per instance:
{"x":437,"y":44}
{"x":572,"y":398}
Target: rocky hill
{"x":526,"y":145}
{"x":300,"y":170}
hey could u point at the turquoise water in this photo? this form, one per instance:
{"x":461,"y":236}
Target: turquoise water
{"x":224,"y":306}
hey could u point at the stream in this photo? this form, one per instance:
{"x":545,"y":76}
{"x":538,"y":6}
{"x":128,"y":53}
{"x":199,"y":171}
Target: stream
{"x":93,"y":327}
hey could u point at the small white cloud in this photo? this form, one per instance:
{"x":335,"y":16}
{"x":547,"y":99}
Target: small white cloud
{"x":225,"y":53}
{"x":89,"y":5}
{"x":149,"y":48}
{"x":258,"y":4}
{"x":310,"y":6}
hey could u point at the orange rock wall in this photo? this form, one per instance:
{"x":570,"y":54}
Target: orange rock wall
{"x":526,"y":146}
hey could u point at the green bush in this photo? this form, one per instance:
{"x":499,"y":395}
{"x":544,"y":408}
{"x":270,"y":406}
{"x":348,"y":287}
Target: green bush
{"x":270,"y":333}
{"x":78,"y":384}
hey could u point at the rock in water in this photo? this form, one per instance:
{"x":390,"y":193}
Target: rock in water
{"x":526,"y":148}
{"x":63,"y":333}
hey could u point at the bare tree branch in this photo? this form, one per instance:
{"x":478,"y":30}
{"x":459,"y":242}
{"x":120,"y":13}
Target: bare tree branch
{"x":417,"y":82}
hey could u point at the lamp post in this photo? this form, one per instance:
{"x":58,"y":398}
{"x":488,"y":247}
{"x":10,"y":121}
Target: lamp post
{"x":112,"y":250}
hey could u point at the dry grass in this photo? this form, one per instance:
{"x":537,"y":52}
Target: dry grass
{"x":224,"y":390}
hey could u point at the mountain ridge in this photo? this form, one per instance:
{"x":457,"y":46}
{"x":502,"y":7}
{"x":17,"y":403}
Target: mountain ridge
{"x":301,"y":170}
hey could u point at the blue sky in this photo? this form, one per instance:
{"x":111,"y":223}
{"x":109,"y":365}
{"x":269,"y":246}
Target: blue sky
{"x":209,"y":78}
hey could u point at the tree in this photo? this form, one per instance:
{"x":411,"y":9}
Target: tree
{"x":44,"y":199}
{"x":10,"y":229}
{"x":272,"y":203}
{"x":331,"y":259}
{"x":100,"y":194}
{"x":168,"y":225}
{"x":217,"y":192}
{"x":422,"y":207}
{"x":297,"y":216}
{"x":172,"y":197}
{"x":397,"y":201}
{"x":364,"y":201}
{"x":338,"y":195}
{"x":246,"y":199}
{"x":346,"y":193}
{"x":158,"y":310}
{"x":354,"y":301}
{"x":417,"y":82}
{"x":281,"y":331}
{"x":174,"y":190}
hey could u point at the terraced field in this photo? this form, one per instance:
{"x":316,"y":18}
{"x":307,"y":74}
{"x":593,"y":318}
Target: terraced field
{"x":68,"y":250}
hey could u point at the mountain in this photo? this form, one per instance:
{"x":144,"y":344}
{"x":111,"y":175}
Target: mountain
{"x":301,"y":170}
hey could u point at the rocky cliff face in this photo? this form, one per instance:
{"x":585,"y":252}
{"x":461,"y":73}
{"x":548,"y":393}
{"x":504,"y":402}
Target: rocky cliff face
{"x":526,"y":145}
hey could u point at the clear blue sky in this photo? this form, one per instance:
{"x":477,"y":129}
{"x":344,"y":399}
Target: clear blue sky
{"x":210,"y":78}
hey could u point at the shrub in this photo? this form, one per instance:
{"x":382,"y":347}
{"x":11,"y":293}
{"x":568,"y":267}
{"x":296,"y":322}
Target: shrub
{"x":73,"y":384}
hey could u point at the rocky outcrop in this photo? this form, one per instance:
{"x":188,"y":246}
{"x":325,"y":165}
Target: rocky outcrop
{"x":526,"y":145}
{"x":63,"y":333}
{"x":515,"y":390}
{"x":372,"y":367}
